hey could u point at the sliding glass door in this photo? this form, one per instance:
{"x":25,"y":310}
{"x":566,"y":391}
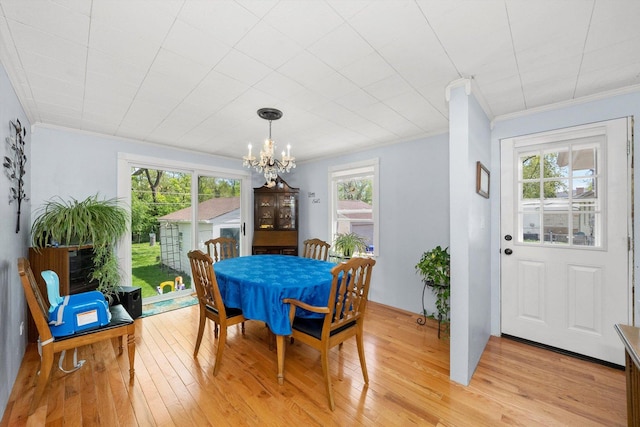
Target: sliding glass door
{"x":175,"y":208}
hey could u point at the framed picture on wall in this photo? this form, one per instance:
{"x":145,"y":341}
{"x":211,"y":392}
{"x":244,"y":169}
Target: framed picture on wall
{"x":482,"y":180}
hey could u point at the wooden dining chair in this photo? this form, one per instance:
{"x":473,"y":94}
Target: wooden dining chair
{"x":211,"y":304}
{"x":121,"y":324}
{"x":222,"y":248}
{"x":316,"y":249}
{"x":343,"y":315}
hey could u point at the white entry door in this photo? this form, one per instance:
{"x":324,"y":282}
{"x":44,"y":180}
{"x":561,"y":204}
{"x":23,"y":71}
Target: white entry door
{"x":565,"y":238}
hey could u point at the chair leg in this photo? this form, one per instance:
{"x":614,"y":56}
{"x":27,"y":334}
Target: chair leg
{"x":325,"y":371}
{"x":363,"y":363}
{"x":222,"y":339}
{"x":242,"y":328}
{"x":215,"y":330}
{"x":203,"y":319}
{"x":46,"y":363}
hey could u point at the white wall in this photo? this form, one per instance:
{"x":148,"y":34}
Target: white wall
{"x":470,"y":232}
{"x":13,"y":306}
{"x":551,"y":118}
{"x":70,"y":163}
{"x":414,"y":213}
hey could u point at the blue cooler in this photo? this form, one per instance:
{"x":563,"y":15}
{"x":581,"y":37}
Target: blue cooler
{"x":74,"y":313}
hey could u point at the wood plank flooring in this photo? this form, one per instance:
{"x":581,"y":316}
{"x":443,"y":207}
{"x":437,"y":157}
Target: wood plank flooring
{"x":515,"y":384}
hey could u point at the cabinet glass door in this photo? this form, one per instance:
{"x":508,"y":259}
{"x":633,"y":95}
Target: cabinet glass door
{"x":266,"y":212}
{"x":287,"y":212}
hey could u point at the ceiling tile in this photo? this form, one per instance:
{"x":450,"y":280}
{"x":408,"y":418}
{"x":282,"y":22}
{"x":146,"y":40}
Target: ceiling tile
{"x":279,"y":86}
{"x":341,"y":47}
{"x":44,"y":44}
{"x":178,"y":69}
{"x":384,"y":21}
{"x":122,"y":45}
{"x":334,"y":85}
{"x":117,"y":69}
{"x":195,"y":44}
{"x":148,"y":20}
{"x":60,"y":70}
{"x":388,"y":87}
{"x":368,"y":70}
{"x":51,"y":18}
{"x":305,"y":69}
{"x":354,"y":101}
{"x":242,"y":68}
{"x":226,"y":21}
{"x":267,"y":45}
{"x":305,"y":21}
{"x":557,"y":22}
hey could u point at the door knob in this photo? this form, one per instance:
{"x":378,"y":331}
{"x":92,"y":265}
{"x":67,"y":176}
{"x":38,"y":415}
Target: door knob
{"x":508,"y":251}
{"x":508,"y":237}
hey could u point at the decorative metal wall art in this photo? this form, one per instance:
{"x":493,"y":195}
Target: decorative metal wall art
{"x":14,"y":165}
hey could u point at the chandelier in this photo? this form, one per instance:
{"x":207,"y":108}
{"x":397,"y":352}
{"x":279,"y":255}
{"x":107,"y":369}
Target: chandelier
{"x":267,"y":161}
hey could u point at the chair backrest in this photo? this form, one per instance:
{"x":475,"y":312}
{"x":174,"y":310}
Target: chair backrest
{"x":205,"y":281}
{"x":349,"y":292}
{"x":222,"y":248}
{"x":38,"y":306}
{"x":316,"y":249}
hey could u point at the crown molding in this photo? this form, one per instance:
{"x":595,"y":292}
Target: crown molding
{"x":572,"y":102}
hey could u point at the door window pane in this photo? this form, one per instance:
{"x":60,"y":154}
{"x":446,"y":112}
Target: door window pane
{"x":555,"y":163}
{"x":218,"y":209}
{"x":159,"y":199}
{"x":556,"y":189}
{"x":556,"y":228}
{"x":560,"y":203}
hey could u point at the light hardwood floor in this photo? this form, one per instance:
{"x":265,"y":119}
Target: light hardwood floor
{"x":515,"y":384}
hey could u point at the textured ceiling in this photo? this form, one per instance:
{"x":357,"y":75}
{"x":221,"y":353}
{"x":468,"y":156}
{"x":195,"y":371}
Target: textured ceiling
{"x":347,"y":74}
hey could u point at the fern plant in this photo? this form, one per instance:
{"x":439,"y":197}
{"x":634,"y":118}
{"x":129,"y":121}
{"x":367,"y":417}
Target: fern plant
{"x":349,"y":243}
{"x":100,"y":223}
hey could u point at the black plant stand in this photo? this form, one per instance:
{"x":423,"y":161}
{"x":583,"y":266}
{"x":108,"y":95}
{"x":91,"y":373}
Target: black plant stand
{"x":423,"y":320}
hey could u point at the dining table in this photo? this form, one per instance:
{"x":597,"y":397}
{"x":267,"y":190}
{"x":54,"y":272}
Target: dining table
{"x":257,"y":284}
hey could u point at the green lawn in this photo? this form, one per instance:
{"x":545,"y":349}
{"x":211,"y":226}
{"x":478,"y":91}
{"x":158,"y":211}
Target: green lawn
{"x":146,"y":272}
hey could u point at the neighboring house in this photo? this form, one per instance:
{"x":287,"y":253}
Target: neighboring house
{"x":355,"y":216}
{"x":556,"y":222}
{"x":216,"y":217}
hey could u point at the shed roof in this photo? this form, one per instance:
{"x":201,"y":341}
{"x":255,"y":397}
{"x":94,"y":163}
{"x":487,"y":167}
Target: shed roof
{"x":207,"y":210}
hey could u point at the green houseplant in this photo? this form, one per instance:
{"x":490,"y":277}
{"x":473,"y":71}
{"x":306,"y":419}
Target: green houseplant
{"x":434,"y":267}
{"x":346,"y":244}
{"x":99,"y":223}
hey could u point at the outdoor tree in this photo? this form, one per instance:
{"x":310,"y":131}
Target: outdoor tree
{"x":531,"y":170}
{"x":355,"y":189}
{"x":155,"y":193}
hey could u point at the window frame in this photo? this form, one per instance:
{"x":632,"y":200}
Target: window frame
{"x":356,"y":169}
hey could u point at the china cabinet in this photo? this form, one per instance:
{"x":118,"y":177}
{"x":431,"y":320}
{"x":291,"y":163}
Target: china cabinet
{"x":275,"y":219}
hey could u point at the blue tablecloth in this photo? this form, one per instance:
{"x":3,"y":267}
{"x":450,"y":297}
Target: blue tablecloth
{"x":258,"y":284}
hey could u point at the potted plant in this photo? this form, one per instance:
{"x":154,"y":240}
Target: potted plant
{"x":346,"y":244}
{"x":99,"y":223}
{"x":434,"y":267}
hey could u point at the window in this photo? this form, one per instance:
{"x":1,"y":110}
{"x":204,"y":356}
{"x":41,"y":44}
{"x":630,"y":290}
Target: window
{"x":354,"y":201}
